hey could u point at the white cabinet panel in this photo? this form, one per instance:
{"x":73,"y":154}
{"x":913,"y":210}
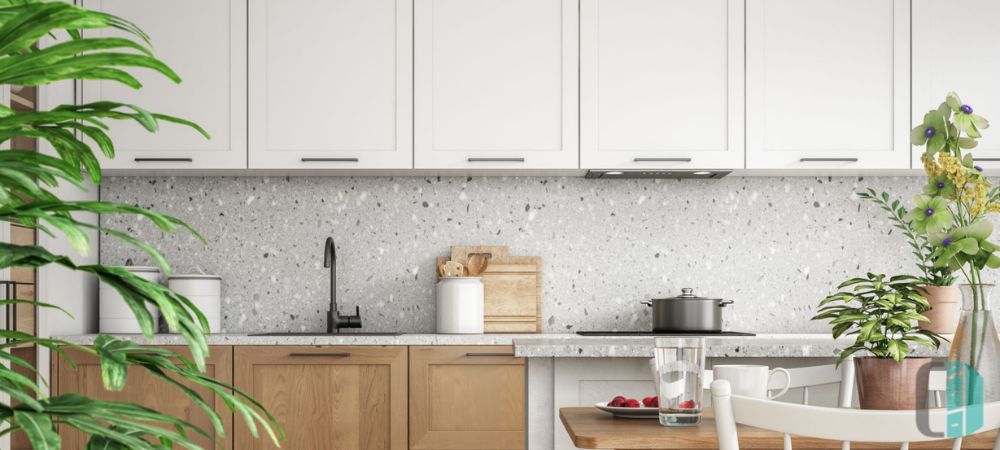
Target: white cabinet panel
{"x":331,"y":84}
{"x":954,"y":49}
{"x":651,"y":95}
{"x":205,"y":43}
{"x":828,"y":84}
{"x":496,"y":83}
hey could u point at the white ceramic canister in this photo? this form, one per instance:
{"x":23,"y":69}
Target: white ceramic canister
{"x":205,"y":291}
{"x":460,"y":305}
{"x":114,"y":315}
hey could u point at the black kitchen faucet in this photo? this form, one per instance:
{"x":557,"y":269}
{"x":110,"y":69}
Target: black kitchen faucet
{"x":335,"y":321}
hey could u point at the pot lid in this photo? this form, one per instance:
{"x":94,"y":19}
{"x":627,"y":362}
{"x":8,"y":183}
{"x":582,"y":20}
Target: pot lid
{"x":142,"y":269}
{"x":688,"y":294}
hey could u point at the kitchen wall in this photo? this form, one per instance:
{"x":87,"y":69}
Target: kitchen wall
{"x":775,"y":245}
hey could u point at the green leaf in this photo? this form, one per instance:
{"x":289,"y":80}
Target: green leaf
{"x":38,"y":427}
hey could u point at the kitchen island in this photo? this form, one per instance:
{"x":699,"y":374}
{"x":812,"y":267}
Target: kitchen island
{"x":568,"y":370}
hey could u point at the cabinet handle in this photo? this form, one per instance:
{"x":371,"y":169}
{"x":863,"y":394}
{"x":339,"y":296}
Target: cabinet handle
{"x":164,"y":160}
{"x":496,"y":159}
{"x":662,"y":160}
{"x":488,"y":354}
{"x":336,"y":355}
{"x":828,"y":160}
{"x":986,"y":159}
{"x":329,"y":159}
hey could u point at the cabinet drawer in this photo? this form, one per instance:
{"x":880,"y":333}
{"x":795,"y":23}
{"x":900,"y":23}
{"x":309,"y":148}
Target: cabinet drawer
{"x":466,"y":397}
{"x":146,"y":390}
{"x":327,"y":397}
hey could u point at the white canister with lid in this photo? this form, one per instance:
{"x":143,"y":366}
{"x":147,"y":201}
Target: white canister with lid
{"x":205,"y":291}
{"x":460,"y":305}
{"x":114,"y":315}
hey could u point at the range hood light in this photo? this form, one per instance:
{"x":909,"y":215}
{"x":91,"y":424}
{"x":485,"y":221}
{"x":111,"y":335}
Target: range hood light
{"x":614,"y":172}
{"x":701,"y":172}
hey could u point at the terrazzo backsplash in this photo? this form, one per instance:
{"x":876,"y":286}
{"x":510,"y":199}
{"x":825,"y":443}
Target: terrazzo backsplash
{"x":774,"y":245}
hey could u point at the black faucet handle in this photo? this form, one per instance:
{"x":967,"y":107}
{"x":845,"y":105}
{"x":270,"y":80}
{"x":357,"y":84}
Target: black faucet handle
{"x":357,"y":311}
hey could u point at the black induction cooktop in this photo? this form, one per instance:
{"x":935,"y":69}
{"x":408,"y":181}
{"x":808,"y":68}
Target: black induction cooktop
{"x":664,"y":333}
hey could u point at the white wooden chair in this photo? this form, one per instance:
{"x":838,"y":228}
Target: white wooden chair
{"x":807,"y":378}
{"x":804,"y":378}
{"x":814,"y":421}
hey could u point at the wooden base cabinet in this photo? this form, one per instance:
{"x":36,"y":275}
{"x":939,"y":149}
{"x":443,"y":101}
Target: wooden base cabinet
{"x":351,"y":397}
{"x":147,"y":390}
{"x":466,"y":398}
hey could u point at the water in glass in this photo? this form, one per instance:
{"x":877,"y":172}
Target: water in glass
{"x":680,"y":364}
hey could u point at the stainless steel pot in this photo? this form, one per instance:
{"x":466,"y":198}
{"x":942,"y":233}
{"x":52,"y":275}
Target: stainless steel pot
{"x":687,"y":312}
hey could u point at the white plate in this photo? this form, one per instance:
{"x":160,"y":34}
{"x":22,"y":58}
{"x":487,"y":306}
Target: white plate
{"x":642,"y":412}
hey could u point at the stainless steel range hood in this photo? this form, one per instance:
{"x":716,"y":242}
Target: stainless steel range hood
{"x":611,"y":174}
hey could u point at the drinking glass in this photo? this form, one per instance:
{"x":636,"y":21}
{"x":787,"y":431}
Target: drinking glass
{"x":680,"y":365}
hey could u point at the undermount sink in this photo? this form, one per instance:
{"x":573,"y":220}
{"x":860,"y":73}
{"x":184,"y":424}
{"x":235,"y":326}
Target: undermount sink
{"x":318,"y":333}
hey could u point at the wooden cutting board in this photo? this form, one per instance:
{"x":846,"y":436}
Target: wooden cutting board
{"x":460,"y":253}
{"x":513,"y":293}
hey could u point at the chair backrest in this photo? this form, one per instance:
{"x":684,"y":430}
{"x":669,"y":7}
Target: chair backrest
{"x":814,"y":421}
{"x":806,"y":378}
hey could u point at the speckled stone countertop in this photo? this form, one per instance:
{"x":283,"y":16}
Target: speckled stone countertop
{"x":550,"y":345}
{"x":759,"y":346}
{"x":344,"y":339}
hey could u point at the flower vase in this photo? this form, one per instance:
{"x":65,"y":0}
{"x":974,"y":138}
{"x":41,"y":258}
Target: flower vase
{"x":974,"y":360}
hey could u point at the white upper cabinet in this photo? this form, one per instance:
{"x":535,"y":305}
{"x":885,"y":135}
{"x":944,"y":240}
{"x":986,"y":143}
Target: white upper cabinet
{"x":205,"y":43}
{"x":661,"y":84}
{"x":954,"y":49}
{"x":828,"y":84}
{"x":496,"y":84}
{"x":331,"y":84}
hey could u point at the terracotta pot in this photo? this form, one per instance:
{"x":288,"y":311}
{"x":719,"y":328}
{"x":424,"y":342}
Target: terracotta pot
{"x":886,"y":384}
{"x":946,"y":308}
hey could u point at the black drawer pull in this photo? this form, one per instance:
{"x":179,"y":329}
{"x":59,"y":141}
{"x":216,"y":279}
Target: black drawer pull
{"x":986,"y":159}
{"x":329,"y":159}
{"x":335,"y":355}
{"x":164,"y":160}
{"x":828,"y":160}
{"x":489,"y":354}
{"x":662,"y":160}
{"x":496,"y":159}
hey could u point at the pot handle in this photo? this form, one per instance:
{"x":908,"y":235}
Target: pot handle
{"x":723,"y":303}
{"x":647,"y":303}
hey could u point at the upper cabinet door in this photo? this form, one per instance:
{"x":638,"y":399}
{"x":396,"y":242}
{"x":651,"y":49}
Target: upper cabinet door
{"x":331,"y":84}
{"x":205,"y":43}
{"x":653,"y":97}
{"x":954,"y":44}
{"x":828,"y":84}
{"x":496,"y":84}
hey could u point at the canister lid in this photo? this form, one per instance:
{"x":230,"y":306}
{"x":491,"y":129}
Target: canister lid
{"x":194,"y":276}
{"x":142,"y":269}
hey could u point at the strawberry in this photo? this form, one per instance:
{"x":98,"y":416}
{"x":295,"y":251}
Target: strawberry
{"x":686,"y":404}
{"x":654,"y":402}
{"x":631,"y":403}
{"x":617,"y":401}
{"x":648,"y":401}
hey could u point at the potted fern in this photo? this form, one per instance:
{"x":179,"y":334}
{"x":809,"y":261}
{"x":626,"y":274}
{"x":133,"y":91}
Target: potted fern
{"x":27,"y":179}
{"x":882,"y":313}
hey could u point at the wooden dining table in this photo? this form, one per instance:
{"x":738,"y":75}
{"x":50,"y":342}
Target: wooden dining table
{"x":590,"y":427}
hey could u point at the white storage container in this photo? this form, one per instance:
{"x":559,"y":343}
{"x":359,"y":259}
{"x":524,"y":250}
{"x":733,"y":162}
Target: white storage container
{"x":205,"y":291}
{"x":114,"y":315}
{"x":460,"y":305}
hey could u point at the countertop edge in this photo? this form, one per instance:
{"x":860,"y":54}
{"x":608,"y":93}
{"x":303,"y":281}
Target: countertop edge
{"x":545,"y":345}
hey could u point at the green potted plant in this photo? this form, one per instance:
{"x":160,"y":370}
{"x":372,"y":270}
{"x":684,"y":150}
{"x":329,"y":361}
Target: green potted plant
{"x":882,"y":313}
{"x":953,"y":216}
{"x":27,"y":198}
{"x":938,"y":282}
